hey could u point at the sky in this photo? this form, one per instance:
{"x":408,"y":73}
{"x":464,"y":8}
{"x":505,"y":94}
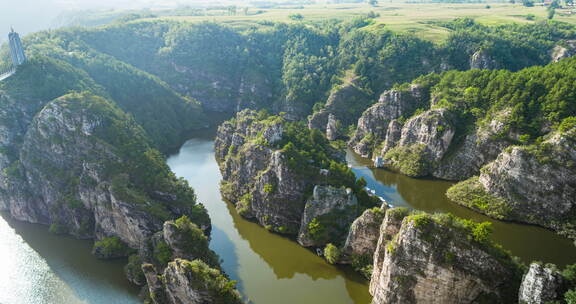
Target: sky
{"x":27,"y":16}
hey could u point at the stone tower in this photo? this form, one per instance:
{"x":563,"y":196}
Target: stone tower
{"x":16,"y":49}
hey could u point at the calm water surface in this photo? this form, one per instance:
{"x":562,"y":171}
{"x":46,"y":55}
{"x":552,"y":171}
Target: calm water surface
{"x":268,"y":267}
{"x":530,"y":243}
{"x":38,"y":267}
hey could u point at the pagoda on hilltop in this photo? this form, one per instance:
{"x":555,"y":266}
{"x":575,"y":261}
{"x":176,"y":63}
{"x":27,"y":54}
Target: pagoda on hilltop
{"x":16,"y":49}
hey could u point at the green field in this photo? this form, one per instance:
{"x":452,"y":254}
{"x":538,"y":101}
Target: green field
{"x":403,"y":17}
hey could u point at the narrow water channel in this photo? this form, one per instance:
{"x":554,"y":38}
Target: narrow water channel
{"x":529,"y":243}
{"x":269,"y":268}
{"x":39,"y":267}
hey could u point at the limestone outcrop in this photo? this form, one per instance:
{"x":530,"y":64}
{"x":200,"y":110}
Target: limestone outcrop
{"x":532,"y":184}
{"x":343,"y":108}
{"x":482,"y":60}
{"x":260,"y":178}
{"x":327,"y":204}
{"x":61,"y":175}
{"x":423,"y":142}
{"x":373,"y":124}
{"x":363,"y":236}
{"x":540,"y":285}
{"x":191,"y":282}
{"x":423,"y":258}
{"x":564,"y":50}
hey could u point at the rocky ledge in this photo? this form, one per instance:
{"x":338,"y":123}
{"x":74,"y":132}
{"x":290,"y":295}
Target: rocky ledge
{"x":531,"y":184}
{"x":422,"y":258}
{"x":374,"y":122}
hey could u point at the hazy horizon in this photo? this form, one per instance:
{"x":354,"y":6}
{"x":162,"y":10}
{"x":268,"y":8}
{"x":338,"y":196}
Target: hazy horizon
{"x":28,"y":16}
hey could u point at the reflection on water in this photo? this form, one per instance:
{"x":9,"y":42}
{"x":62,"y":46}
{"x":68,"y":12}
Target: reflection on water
{"x":39,"y":267}
{"x":530,"y":243}
{"x":268,"y":267}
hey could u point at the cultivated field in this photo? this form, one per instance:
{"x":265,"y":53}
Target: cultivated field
{"x":418,"y":18}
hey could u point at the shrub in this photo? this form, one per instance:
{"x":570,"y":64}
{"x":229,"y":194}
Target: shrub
{"x":409,"y":160}
{"x":111,"y":247}
{"x":212,"y":282}
{"x":316,"y":230}
{"x":472,"y":194}
{"x":162,"y":253}
{"x":332,"y":254}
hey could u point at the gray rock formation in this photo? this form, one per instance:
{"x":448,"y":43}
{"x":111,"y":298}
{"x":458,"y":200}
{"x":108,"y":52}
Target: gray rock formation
{"x":256,"y":177}
{"x":565,"y":50}
{"x":431,"y":260}
{"x":478,"y":148}
{"x":191,"y":282}
{"x":363,"y":235}
{"x":327,"y":201}
{"x":59,"y":175}
{"x":431,"y":130}
{"x":373,"y":124}
{"x":344,"y":105}
{"x":332,"y":129}
{"x":221,"y":93}
{"x":393,"y":135}
{"x":537,"y":182}
{"x":541,"y":285}
{"x":482,"y":60}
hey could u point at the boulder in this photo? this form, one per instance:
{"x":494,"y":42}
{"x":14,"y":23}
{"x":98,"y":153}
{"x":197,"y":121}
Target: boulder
{"x":540,"y":285}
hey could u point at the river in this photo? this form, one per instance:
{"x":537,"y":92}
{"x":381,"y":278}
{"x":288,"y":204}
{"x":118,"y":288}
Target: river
{"x":39,"y":267}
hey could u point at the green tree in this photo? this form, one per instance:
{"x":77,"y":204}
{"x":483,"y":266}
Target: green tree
{"x":332,"y":253}
{"x":551,"y":12}
{"x":296,"y":17}
{"x":528,"y":3}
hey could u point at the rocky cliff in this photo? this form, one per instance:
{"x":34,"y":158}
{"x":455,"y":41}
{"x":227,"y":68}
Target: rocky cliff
{"x":177,"y":266}
{"x":288,"y":178}
{"x":80,"y":164}
{"x":541,"y":284}
{"x":191,"y":282}
{"x":532,"y":184}
{"x":421,"y":145}
{"x":343,"y":107}
{"x":332,"y":208}
{"x":393,"y":104}
{"x":77,"y":138}
{"x":424,"y":258}
{"x":363,"y":235}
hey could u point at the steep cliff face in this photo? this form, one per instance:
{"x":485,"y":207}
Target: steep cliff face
{"x":532,"y":184}
{"x":221,"y":92}
{"x":482,"y":60}
{"x":423,"y":142}
{"x":248,"y":167}
{"x":434,"y":259}
{"x":288,"y":178}
{"x":343,"y":108}
{"x":541,"y":285}
{"x":478,"y":148}
{"x":363,"y":236}
{"x":192,"y":282}
{"x":564,"y":50}
{"x":90,"y":197}
{"x":373,"y":124}
{"x":258,"y":178}
{"x":177,"y":266}
{"x":334,"y":209}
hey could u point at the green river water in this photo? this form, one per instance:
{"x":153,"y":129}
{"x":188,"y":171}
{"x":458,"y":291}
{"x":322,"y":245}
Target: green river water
{"x":38,"y":267}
